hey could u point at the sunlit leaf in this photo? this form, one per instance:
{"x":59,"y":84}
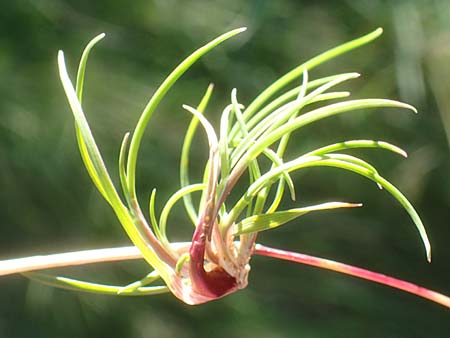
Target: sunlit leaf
{"x":273,"y":220}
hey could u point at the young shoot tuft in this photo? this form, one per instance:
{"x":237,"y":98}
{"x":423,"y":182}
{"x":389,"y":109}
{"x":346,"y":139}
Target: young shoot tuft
{"x":216,"y":261}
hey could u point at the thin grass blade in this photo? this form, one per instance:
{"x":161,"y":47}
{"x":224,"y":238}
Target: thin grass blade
{"x":269,"y":221}
{"x":184,"y":162}
{"x":84,"y":286}
{"x":281,"y":100}
{"x":158,"y":96}
{"x":319,"y":114}
{"x":357,"y":144}
{"x":281,"y":116}
{"x":171,"y":202}
{"x":92,"y":151}
{"x":310,"y":64}
{"x":79,"y":92}
{"x":148,"y":279}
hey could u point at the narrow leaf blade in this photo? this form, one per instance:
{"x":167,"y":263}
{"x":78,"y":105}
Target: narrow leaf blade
{"x":263,"y":222}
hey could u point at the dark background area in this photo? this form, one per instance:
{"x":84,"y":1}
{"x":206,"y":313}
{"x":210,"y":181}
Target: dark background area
{"x":48,"y":204}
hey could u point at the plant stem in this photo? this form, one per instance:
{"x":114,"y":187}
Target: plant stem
{"x":353,"y":271}
{"x":41,"y":262}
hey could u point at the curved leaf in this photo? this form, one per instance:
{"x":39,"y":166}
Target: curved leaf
{"x":158,"y":96}
{"x":184,"y":161}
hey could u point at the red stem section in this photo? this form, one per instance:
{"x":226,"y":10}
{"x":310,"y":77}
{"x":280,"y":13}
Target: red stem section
{"x":353,"y":271}
{"x":216,"y":282}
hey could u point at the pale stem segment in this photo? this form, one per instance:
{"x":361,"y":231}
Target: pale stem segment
{"x":51,"y":261}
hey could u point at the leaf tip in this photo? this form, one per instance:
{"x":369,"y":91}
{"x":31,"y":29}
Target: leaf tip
{"x":60,"y":55}
{"x":410,"y":107}
{"x":353,"y":205}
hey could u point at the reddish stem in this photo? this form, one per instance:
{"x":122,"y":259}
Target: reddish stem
{"x":216,"y":282}
{"x":353,"y":271}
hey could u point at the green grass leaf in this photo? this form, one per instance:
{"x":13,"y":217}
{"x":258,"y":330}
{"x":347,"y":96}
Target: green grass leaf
{"x":357,"y":144}
{"x":159,"y":95}
{"x":184,"y":161}
{"x":316,"y":115}
{"x":90,"y":287}
{"x":314,"y":161}
{"x":310,"y":64}
{"x":269,"y":221}
{"x":169,"y":205}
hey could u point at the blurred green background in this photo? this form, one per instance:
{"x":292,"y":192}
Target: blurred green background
{"x":48,"y":204}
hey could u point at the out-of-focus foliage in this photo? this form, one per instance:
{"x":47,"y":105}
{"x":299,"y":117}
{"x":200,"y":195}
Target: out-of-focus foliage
{"x":48,"y":204}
